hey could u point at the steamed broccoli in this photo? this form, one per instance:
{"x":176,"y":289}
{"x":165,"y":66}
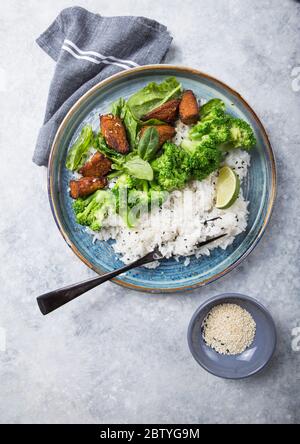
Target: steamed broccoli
{"x":157,"y":197}
{"x":134,"y":197}
{"x":130,"y":192}
{"x":226,"y":131}
{"x":92,"y":210}
{"x":218,"y":129}
{"x":126,"y":181}
{"x":146,"y":199}
{"x":194,"y":160}
{"x":171,"y":169}
{"x":138,"y":197}
{"x":120,"y":191}
{"x":212,"y":109}
{"x":206,"y":142}
{"x":140,"y":202}
{"x":241,"y":135}
{"x":204,"y":157}
{"x":81,"y":203}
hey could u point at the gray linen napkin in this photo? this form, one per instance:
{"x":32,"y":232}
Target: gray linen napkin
{"x":88,"y":48}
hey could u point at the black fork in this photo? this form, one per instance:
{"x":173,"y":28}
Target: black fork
{"x":54,"y":299}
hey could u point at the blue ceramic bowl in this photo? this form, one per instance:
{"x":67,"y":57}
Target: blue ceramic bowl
{"x":245,"y":364}
{"x":259,"y":188}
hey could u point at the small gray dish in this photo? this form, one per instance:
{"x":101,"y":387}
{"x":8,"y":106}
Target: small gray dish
{"x":245,"y":364}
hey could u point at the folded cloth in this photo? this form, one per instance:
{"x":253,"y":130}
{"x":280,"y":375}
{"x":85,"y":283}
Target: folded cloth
{"x":88,"y":48}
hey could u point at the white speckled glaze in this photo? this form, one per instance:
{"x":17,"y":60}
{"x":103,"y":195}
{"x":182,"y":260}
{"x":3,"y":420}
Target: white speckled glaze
{"x":120,"y":356}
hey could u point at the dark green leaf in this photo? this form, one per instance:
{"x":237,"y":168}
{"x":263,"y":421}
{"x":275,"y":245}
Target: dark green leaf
{"x":148,"y":144}
{"x":117,"y":107}
{"x":111,"y":154}
{"x":78,"y":151}
{"x":152,"y":96}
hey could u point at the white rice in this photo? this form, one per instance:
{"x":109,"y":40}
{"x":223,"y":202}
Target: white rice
{"x":183,"y":220}
{"x":178,"y":225}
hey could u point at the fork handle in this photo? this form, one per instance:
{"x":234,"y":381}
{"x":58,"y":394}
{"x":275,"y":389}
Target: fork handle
{"x":52,"y":300}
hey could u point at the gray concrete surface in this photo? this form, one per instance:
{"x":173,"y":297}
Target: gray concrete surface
{"x":116,"y":355}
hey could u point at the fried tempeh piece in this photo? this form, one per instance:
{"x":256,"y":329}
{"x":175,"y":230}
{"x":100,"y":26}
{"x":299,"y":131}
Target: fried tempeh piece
{"x":114,"y":133}
{"x":97,"y":166}
{"x":188,"y":108}
{"x":166,"y":112}
{"x":86,"y":185}
{"x":165,"y":132}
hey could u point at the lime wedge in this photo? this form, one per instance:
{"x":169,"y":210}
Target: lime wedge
{"x":228,"y":187}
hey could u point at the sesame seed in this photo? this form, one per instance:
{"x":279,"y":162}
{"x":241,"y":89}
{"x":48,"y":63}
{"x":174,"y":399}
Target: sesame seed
{"x":228,"y":329}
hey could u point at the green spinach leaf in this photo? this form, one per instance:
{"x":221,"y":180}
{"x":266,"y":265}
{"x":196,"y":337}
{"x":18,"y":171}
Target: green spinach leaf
{"x":148,"y":144}
{"x":78,"y":151}
{"x":153,"y":95}
{"x":138,"y":168}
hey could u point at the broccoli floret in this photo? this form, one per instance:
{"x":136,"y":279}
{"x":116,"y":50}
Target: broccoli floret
{"x":125,"y":181}
{"x":171,"y":168}
{"x":121,"y":191}
{"x":138,"y":198}
{"x":212,"y":109}
{"x":241,"y":135}
{"x":204,"y":161}
{"x":204,"y":156}
{"x":218,"y":129}
{"x":81,"y":203}
{"x":157,"y":197}
{"x":92,"y":210}
{"x":195,"y":160}
{"x":226,"y":131}
{"x":140,"y":202}
{"x":134,"y":197}
{"x":191,"y":146}
{"x":146,"y":199}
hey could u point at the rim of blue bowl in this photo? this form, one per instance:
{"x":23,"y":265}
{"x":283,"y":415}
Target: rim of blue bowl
{"x":124,"y":74}
{"x":214,"y":300}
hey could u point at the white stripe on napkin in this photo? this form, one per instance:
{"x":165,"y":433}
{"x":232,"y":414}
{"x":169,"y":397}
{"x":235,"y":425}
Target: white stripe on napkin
{"x":79,"y":54}
{"x":90,"y":59}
